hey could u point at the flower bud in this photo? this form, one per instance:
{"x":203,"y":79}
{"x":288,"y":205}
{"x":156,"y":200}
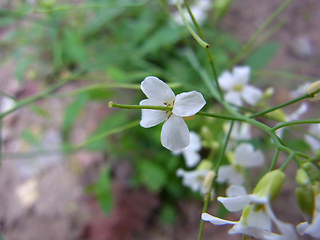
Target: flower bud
{"x":305,"y":199}
{"x":205,"y":164}
{"x":302,"y":177}
{"x":270,"y":184}
{"x":313,"y":90}
{"x":268,"y":93}
{"x":278,"y":115}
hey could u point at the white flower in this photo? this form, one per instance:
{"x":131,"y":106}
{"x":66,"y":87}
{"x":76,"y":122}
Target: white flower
{"x":6,"y":104}
{"x":244,"y":156}
{"x":194,"y":179}
{"x":199,"y":10}
{"x":257,"y":216}
{"x":237,"y":88}
{"x":175,"y":132}
{"x":312,"y":228}
{"x":313,"y":138}
{"x":240,"y":131}
{"x":191,"y":152}
{"x":301,"y":90}
{"x":303,"y":108}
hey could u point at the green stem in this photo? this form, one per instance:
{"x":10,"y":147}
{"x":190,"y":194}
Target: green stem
{"x":297,"y":122}
{"x":190,"y":29}
{"x":73,"y":148}
{"x":163,"y":108}
{"x":209,"y":55}
{"x":216,"y":170}
{"x":254,"y":37}
{"x":274,"y":159}
{"x":284,"y":165}
{"x":107,"y":133}
{"x":280,"y":106}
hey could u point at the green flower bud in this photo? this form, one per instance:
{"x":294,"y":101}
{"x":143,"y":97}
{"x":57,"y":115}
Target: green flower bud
{"x":204,"y":164}
{"x":270,"y":184}
{"x":302,"y":177}
{"x":305,"y":199}
{"x":278,"y":115}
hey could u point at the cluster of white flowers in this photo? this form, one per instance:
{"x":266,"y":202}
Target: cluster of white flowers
{"x":257,"y":219}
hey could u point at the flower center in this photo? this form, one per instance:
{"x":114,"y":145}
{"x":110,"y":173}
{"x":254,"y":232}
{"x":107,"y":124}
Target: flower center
{"x":238,"y":87}
{"x":169,"y":104}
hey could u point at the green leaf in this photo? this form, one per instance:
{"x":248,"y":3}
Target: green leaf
{"x":168,"y":214}
{"x":102,"y":190}
{"x":151,"y":175}
{"x":262,"y":55}
{"x":74,"y":47}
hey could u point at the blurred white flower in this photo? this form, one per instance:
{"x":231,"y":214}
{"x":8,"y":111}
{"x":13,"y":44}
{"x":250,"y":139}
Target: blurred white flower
{"x":191,"y":152}
{"x":313,"y":138}
{"x":194,"y":179}
{"x":6,"y":104}
{"x":301,"y":90}
{"x":244,"y":156}
{"x":175,"y":132}
{"x":27,"y":192}
{"x":257,"y":216}
{"x":303,"y":108}
{"x":240,"y":131}
{"x":312,"y":228}
{"x":236,"y":86}
{"x":199,"y":10}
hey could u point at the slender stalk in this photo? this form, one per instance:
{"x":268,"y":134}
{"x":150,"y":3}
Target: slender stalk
{"x":254,"y":37}
{"x":286,"y":124}
{"x":107,"y":133}
{"x":285,"y":164}
{"x":274,"y":159}
{"x":190,"y":29}
{"x":209,"y":55}
{"x":216,"y":170}
{"x":280,"y":106}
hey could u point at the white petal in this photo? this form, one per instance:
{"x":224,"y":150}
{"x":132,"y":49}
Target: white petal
{"x":175,"y":133}
{"x":230,"y":175}
{"x":251,"y":94}
{"x":257,"y":233}
{"x":241,"y":74}
{"x":241,"y":131}
{"x":236,"y":190}
{"x":214,"y":220}
{"x":301,"y":228}
{"x":149,"y":117}
{"x":191,"y":157}
{"x":188,"y":103}
{"x":234,"y":204}
{"x":246,"y":156}
{"x":234,"y":97}
{"x":195,"y":142}
{"x":156,"y":89}
{"x":226,"y":81}
{"x":296,"y":114}
{"x":259,"y":219}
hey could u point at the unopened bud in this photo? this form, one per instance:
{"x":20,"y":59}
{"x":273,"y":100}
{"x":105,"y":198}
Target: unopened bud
{"x":305,"y":199}
{"x":270,"y":184}
{"x":278,"y":115}
{"x":205,"y":164}
{"x":314,"y":89}
{"x":302,"y":177}
{"x":268,"y":93}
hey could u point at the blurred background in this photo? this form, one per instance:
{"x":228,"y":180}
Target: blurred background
{"x":74,"y":169}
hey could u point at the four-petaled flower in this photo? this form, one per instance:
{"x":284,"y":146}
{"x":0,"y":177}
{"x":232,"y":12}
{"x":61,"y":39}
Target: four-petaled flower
{"x":237,"y":88}
{"x":256,"y":219}
{"x":175,"y":132}
{"x":244,"y":156}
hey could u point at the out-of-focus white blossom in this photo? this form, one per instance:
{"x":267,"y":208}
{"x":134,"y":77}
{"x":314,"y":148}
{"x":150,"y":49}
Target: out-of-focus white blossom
{"x":237,"y":87}
{"x":191,"y":152}
{"x":194,"y":179}
{"x":244,"y":156}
